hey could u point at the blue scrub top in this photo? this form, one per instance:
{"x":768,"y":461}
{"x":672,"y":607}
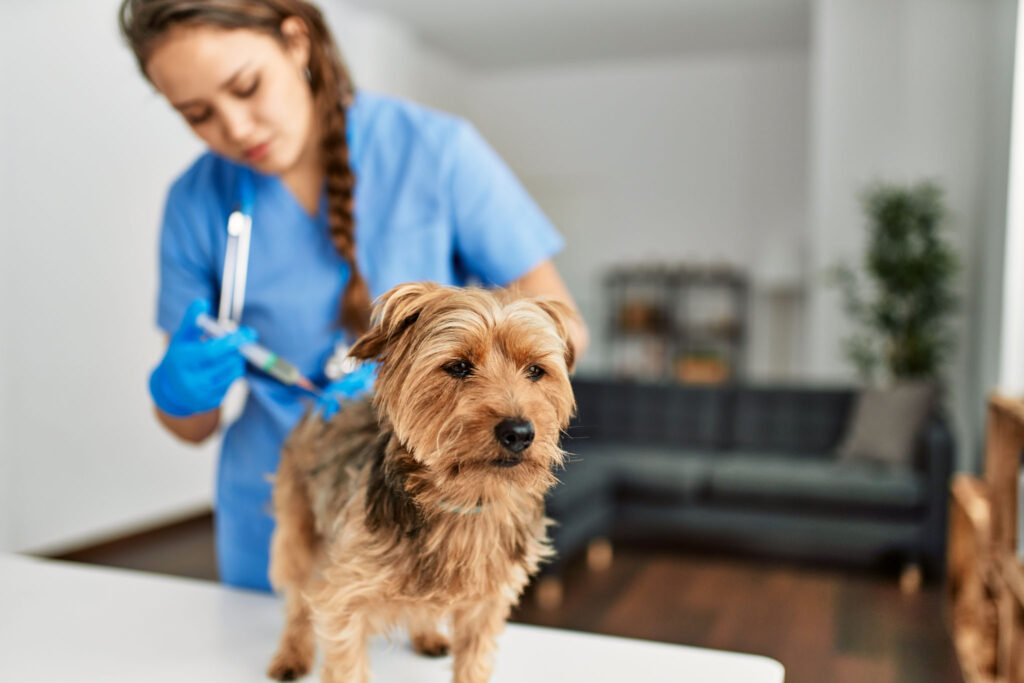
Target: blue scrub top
{"x":433,"y":202}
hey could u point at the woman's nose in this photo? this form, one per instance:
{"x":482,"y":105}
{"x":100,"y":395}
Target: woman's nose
{"x":237,"y":123}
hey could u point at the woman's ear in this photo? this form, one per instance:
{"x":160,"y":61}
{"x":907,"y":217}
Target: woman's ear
{"x":296,"y":41}
{"x":395,"y":312}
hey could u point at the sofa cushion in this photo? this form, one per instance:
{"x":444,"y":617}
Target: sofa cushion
{"x":885,"y":422}
{"x":853,"y":486}
{"x":789,"y":421}
{"x":655,"y":474}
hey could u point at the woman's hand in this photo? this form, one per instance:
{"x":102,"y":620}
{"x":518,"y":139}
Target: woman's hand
{"x":195,"y":373}
{"x":356,"y":384}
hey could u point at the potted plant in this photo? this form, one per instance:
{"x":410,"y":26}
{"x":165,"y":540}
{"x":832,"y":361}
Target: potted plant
{"x":902,"y":296}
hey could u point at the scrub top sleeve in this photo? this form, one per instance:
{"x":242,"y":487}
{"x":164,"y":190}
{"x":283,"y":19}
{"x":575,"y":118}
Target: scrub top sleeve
{"x":185,"y":273}
{"x":500,"y":232}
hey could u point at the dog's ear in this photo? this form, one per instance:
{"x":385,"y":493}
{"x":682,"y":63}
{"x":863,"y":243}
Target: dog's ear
{"x":394,"y":313}
{"x":564,"y":316}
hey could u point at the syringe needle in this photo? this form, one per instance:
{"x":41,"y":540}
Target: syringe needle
{"x":309,"y":386}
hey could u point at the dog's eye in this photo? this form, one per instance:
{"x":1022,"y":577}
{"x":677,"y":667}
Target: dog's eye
{"x":535,"y":372}
{"x":459,"y":369}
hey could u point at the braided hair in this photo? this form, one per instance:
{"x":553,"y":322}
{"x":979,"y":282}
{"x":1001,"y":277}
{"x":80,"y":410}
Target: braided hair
{"x":144,"y":22}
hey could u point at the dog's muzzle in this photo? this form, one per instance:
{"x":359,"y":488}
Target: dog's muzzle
{"x":515,"y":436}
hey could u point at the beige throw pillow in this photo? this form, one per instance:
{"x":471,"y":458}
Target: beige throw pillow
{"x":885,"y":422}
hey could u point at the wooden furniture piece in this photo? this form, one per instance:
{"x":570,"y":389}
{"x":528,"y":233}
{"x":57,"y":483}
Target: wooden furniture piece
{"x":986,"y":580}
{"x":684,"y":322}
{"x":70,"y":622}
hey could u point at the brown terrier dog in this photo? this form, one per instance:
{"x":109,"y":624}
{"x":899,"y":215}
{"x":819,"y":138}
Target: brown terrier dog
{"x":428,"y":503}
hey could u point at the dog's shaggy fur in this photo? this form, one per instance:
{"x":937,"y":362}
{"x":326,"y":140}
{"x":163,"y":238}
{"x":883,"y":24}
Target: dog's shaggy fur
{"x":424,"y":506}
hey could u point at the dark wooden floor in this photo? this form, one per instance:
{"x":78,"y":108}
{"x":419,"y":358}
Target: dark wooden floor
{"x":824,"y":625}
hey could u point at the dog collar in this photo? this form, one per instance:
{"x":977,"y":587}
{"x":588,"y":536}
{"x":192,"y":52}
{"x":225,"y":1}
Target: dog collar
{"x":458,"y":509}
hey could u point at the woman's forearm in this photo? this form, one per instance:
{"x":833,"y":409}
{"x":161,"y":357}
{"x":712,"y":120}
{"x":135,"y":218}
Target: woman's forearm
{"x":194,"y":428}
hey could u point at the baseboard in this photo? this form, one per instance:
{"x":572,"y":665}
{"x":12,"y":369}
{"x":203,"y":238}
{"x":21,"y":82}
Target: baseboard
{"x":126,"y":536}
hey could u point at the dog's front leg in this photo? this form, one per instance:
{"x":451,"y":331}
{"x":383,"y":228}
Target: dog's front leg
{"x":345,"y":654}
{"x":295,"y":654}
{"x":474,"y":629}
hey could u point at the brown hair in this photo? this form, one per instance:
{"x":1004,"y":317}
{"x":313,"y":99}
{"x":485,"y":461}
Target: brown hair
{"x":144,"y":22}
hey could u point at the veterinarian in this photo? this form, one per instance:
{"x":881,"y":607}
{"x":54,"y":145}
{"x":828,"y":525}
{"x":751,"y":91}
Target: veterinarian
{"x":352,"y":193}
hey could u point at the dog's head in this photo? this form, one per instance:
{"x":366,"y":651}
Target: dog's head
{"x":475,"y":384}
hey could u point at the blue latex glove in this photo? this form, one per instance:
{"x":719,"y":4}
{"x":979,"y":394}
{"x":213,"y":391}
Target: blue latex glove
{"x":354,"y":385}
{"x":195,"y":373}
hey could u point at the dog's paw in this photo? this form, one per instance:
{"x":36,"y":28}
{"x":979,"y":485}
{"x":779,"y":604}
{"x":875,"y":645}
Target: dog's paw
{"x":287,"y":668}
{"x":431,"y":645}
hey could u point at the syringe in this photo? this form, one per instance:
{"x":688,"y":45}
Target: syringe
{"x":261,"y":357}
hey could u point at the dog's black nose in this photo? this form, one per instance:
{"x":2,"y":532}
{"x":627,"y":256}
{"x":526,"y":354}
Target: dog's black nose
{"x":515,"y":436}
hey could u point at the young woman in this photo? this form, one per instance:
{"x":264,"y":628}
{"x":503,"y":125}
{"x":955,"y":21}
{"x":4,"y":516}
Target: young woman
{"x":354,"y":193}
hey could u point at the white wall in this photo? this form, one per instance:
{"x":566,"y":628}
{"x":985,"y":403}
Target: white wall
{"x":899,"y":93}
{"x":686,"y":159}
{"x":6,"y":526}
{"x":384,"y":55}
{"x":985,"y":337}
{"x":1011,"y":370}
{"x":88,"y":152}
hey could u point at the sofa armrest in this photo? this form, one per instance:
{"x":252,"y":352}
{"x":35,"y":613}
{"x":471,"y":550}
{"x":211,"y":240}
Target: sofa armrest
{"x":582,"y":507}
{"x":935,"y":456}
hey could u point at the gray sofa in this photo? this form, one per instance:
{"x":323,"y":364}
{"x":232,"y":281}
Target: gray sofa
{"x":746,"y":468}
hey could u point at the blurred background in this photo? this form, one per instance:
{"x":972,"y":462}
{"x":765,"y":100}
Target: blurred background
{"x":707,"y":162}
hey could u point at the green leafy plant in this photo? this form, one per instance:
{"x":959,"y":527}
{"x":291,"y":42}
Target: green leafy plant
{"x":903,"y":295}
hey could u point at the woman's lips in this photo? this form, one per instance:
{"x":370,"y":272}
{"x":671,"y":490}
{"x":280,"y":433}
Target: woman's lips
{"x":258,"y":152}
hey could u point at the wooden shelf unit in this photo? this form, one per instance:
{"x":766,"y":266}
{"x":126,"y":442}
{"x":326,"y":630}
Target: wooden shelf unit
{"x":986,"y":580}
{"x":679,"y":322}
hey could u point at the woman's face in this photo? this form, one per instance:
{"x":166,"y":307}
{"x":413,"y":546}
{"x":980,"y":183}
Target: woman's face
{"x":241,"y":91}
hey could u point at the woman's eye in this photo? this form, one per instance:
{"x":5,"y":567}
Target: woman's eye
{"x":251,"y":90}
{"x":198,"y":119}
{"x":459,"y":369}
{"x":534,"y":372}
